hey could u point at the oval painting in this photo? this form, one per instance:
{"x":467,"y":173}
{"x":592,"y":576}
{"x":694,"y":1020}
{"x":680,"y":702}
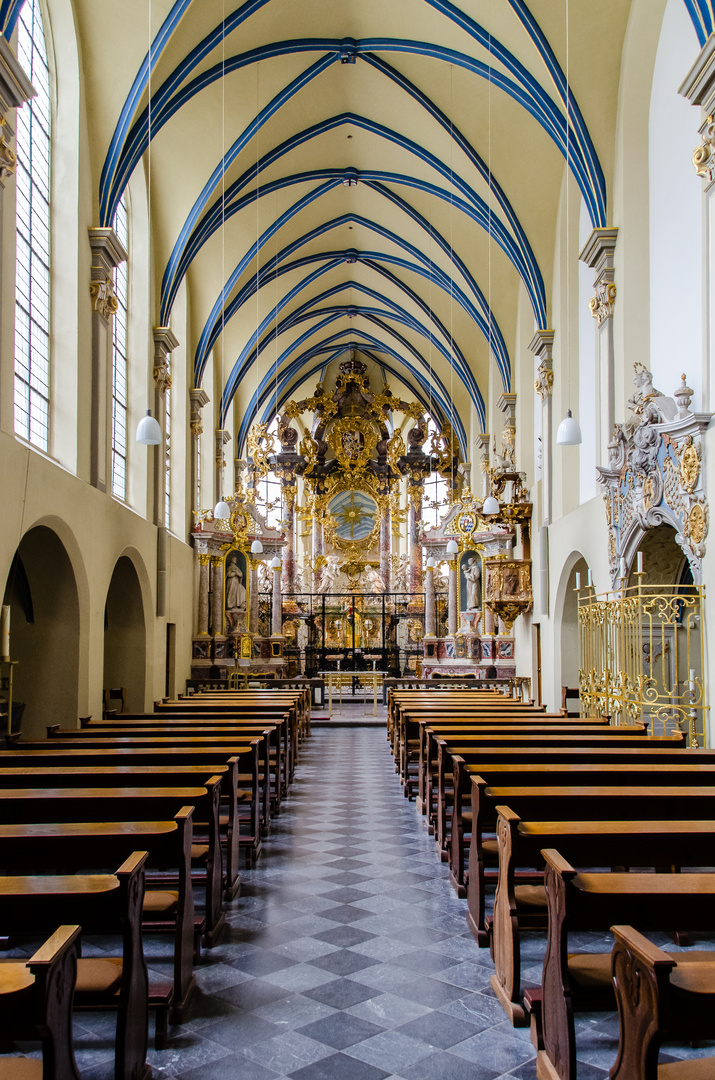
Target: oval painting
{"x":355,"y":514}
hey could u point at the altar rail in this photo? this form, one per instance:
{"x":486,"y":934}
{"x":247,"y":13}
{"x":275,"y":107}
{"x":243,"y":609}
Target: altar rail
{"x":642,"y":657}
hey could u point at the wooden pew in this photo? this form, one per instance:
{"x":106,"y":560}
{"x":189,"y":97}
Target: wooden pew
{"x":166,"y":737}
{"x":253,"y":776}
{"x":29,"y":806}
{"x":659,"y":844}
{"x":68,"y":847}
{"x":571,"y":803}
{"x":102,"y":904}
{"x":36,"y":1004}
{"x":659,"y":996}
{"x":588,"y":901}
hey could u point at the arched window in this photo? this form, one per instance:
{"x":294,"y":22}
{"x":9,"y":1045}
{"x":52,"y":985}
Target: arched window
{"x":436,"y":490}
{"x":119,"y":361}
{"x":270,"y":491}
{"x":32,"y":280}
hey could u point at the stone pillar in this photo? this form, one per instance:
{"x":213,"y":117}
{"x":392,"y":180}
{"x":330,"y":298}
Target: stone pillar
{"x":107,"y":252}
{"x":699,"y":89}
{"x":542,"y":345}
{"x":198,"y":398}
{"x":414,"y":495}
{"x":277,"y":613}
{"x":598,"y":253}
{"x":482,"y":442}
{"x":318,"y":547}
{"x":165,"y":341}
{"x":453,"y":600}
{"x":489,"y":621}
{"x":430,"y":621}
{"x":289,"y":529}
{"x":385,"y":542}
{"x":253,"y":565}
{"x":217,"y":595}
{"x":222,"y":437}
{"x":15,"y":90}
{"x":203,"y":607}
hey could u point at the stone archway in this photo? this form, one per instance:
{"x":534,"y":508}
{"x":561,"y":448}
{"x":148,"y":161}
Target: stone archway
{"x":570,"y":645}
{"x":41,"y":590}
{"x":125,"y":635}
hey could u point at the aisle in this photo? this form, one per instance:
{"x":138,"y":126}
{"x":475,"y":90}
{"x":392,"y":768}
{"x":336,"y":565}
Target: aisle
{"x":348,"y":956}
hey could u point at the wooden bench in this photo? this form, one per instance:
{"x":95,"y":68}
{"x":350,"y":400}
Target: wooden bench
{"x":68,"y":847}
{"x":659,"y":844}
{"x":36,"y":1004}
{"x":593,"y":902}
{"x":101,"y":904}
{"x":29,"y":806}
{"x":659,"y":996}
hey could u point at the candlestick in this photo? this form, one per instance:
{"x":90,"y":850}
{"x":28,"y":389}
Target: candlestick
{"x":639,"y":562}
{"x":624,"y":570}
{"x":5,"y":632}
{"x":590,"y":580}
{"x":578,"y":581}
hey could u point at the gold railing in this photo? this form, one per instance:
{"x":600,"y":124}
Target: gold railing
{"x":642,"y":657}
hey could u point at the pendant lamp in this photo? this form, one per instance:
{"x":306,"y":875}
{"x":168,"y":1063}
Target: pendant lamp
{"x":490,"y":507}
{"x":222,"y":511}
{"x":569,"y":433}
{"x":148,"y":430}
{"x":452,"y":547}
{"x":256,"y":548}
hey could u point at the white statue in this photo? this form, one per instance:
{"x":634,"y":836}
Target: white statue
{"x":473,"y":577}
{"x":328,"y":574}
{"x":265,"y":580}
{"x":648,"y":400}
{"x":374,"y":582}
{"x":401,"y":575}
{"x":441,"y":579}
{"x":235,"y":593}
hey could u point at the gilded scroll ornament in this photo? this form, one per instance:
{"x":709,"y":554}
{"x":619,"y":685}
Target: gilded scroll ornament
{"x":603,"y":303}
{"x":162,"y":377}
{"x":703,"y":157}
{"x":689,"y":465}
{"x":697,"y":524}
{"x":104,"y":301}
{"x":544,"y":384}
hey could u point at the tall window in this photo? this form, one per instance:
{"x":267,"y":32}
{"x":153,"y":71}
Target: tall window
{"x":436,"y":491}
{"x":119,"y":362}
{"x":270,"y":491}
{"x":32,"y":281}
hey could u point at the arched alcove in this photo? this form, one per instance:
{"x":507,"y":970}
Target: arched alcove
{"x":41,"y":590}
{"x":125,"y":635}
{"x":570,"y":655}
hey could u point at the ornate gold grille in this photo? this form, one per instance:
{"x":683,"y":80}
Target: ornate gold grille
{"x":642,"y":658}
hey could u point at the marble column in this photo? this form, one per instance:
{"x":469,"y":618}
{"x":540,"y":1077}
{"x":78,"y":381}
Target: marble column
{"x":221,"y":438}
{"x":253,"y":565}
{"x":289,"y":529}
{"x":599,"y":253}
{"x":318,"y":548}
{"x":277,"y":614}
{"x":489,"y":621}
{"x":107,"y":253}
{"x":414,"y":493}
{"x":203,"y":617}
{"x":216,"y":595}
{"x":385,"y":544}
{"x":198,"y":398}
{"x":453,"y":601}
{"x":430,"y":621}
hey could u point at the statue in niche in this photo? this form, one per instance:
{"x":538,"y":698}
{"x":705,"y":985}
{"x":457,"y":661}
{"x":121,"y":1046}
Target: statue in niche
{"x":473,"y":580}
{"x":329,"y":574}
{"x":235,"y":591}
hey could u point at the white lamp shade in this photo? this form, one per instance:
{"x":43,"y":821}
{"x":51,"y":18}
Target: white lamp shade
{"x":569,"y":433}
{"x":256,"y":548}
{"x":222,"y":510}
{"x":276,"y":563}
{"x":148,"y":430}
{"x":452,"y":547}
{"x":491,"y":506}
{"x":430,"y":563}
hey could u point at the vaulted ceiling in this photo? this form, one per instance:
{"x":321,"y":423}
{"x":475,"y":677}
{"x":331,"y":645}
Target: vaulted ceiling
{"x":382,"y":175}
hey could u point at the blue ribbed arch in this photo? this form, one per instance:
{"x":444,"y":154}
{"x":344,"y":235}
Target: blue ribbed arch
{"x":218,"y":317}
{"x":188,"y":245}
{"x":526,"y":91}
{"x":702,"y":13}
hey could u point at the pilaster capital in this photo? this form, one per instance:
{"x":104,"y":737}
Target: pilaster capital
{"x":704,"y":155}
{"x":598,"y":253}
{"x":216,"y":560}
{"x":198,"y":398}
{"x":221,"y":438}
{"x":204,"y":559}
{"x":507,"y":404}
{"x":698,"y":86}
{"x":15,"y":87}
{"x":544,"y":383}
{"x":107,"y":253}
{"x":542,"y":346}
{"x":604,"y":302}
{"x":165,"y":341}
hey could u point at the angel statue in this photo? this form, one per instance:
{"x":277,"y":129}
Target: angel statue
{"x":328,"y":574}
{"x":374,"y":581}
{"x":401,"y":574}
{"x":265,"y":580}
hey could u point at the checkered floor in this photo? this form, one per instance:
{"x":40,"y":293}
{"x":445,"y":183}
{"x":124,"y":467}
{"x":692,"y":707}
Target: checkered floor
{"x":347,"y":955}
